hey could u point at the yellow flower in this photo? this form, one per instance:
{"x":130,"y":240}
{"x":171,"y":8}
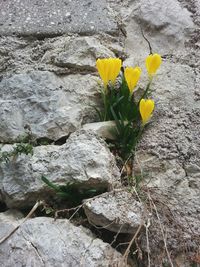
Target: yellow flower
{"x":153,"y":63}
{"x":146,"y":108}
{"x":132,"y":76}
{"x":108,"y":69}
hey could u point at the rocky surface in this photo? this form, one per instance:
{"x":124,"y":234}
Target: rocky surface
{"x":84,"y":158}
{"x":50,"y":106}
{"x":51,"y":18}
{"x":168,"y":155}
{"x":125,"y":216}
{"x":47,"y":83}
{"x":105,"y":129}
{"x":71,"y":54}
{"x":44,"y":242}
{"x":77,"y":53}
{"x":167,"y":25}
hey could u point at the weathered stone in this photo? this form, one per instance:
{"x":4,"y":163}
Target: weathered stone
{"x":61,"y":55}
{"x":51,"y":18}
{"x":105,"y":129}
{"x":44,"y":242}
{"x":116,"y":211}
{"x":175,"y":125}
{"x":168,"y":156}
{"x":13,"y":216}
{"x":84,"y":158}
{"x":51,"y":106}
{"x":77,"y":52}
{"x":166,"y":25}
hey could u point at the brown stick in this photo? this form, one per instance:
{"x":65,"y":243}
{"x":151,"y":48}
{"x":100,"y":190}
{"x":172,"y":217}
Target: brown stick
{"x":162,"y":231}
{"x":125,"y":256}
{"x":37,"y":204}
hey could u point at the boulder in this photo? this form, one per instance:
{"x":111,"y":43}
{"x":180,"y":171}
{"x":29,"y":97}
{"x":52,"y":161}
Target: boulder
{"x":77,"y":53}
{"x":116,"y":211}
{"x":105,"y":129}
{"x":52,"y":18}
{"x":84,"y":159}
{"x":45,"y":242}
{"x":167,"y":26}
{"x":49,"y":105}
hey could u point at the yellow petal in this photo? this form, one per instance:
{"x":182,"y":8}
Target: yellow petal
{"x":146,"y":108}
{"x":103,"y":68}
{"x":132,"y":76}
{"x":153,"y":62}
{"x":114,"y":70}
{"x":109,"y":69}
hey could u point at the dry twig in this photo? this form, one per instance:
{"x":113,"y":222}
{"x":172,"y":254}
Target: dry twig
{"x":125,"y":256}
{"x":162,"y":231}
{"x":147,"y":239}
{"x":37,"y":204}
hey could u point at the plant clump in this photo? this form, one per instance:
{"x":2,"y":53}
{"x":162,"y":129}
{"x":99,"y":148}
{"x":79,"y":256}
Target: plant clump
{"x":120,"y":104}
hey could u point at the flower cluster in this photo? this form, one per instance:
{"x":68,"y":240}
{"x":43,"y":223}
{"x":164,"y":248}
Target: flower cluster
{"x":120,"y":103}
{"x":109,"y":69}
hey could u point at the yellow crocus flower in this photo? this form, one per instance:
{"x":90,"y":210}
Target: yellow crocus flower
{"x":132,"y":76}
{"x":146,"y":108}
{"x":108,"y":69}
{"x":153,"y":62}
{"x":115,"y":67}
{"x":103,"y":69}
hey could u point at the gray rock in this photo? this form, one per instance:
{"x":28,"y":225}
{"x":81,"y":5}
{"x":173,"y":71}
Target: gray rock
{"x":84,"y":158}
{"x":173,"y":133}
{"x":77,"y":52}
{"x":51,"y":106}
{"x":105,"y":129}
{"x":61,"y":55}
{"x":166,"y":25}
{"x":168,"y":157}
{"x":117,"y":211}
{"x":44,"y":242}
{"x":13,"y":216}
{"x":53,"y":18}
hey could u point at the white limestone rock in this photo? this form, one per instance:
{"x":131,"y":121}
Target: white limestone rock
{"x":51,"y":106}
{"x":45,"y":242}
{"x":116,"y":211}
{"x":84,"y":158}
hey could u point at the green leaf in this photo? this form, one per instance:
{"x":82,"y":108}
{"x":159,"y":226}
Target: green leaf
{"x":50,"y":184}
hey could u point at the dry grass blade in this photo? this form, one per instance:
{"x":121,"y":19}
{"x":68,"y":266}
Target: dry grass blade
{"x":125,"y":256}
{"x":37,"y":204}
{"x":162,"y":230}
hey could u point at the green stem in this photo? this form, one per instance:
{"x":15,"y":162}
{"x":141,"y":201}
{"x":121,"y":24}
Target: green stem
{"x":146,"y":91}
{"x":105,"y":105}
{"x":136,"y":141}
{"x":103,"y":93}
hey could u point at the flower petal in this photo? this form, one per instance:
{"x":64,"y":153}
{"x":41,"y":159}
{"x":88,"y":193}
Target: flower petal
{"x":132,"y":76}
{"x":153,"y":62}
{"x":108,"y":69}
{"x":146,"y":108}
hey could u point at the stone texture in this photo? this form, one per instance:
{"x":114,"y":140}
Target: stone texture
{"x":51,"y":18}
{"x":51,"y":106}
{"x":105,"y":129}
{"x":116,"y":211}
{"x":44,"y":242}
{"x":168,"y":156}
{"x":166,"y":24}
{"x":84,"y":158}
{"x":62,"y":55}
{"x":77,"y":53}
{"x":175,"y":125}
